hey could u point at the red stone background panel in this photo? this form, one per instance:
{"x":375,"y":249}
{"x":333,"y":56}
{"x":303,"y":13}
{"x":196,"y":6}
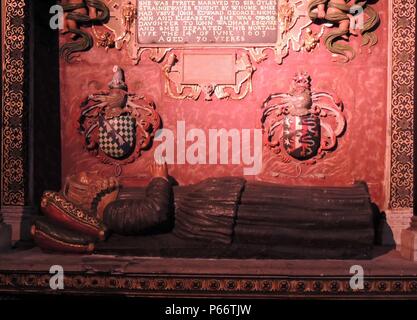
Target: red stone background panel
{"x":361,"y":84}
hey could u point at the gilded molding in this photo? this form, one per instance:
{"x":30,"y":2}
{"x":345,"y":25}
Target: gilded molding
{"x":402,"y":103}
{"x":13,"y":104}
{"x":208,"y":285}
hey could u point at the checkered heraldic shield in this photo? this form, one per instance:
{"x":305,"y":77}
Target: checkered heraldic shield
{"x":117,"y":136}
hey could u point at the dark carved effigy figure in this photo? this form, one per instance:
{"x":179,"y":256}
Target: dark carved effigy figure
{"x":230,"y":216}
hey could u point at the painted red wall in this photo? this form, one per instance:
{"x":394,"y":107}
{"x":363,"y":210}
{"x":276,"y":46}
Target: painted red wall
{"x":361,"y":85}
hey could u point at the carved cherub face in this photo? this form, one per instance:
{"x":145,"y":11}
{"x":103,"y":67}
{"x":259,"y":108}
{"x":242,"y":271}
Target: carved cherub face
{"x":208,"y":89}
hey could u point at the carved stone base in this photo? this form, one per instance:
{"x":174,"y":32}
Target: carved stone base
{"x":397,"y":221}
{"x":409,"y":241}
{"x":20,"y":220}
{"x":5,"y":236}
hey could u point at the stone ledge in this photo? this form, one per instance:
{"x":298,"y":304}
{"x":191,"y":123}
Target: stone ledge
{"x":397,"y":220}
{"x":20,"y":219}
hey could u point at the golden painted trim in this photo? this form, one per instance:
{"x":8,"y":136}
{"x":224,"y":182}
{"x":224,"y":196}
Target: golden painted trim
{"x":90,"y":246}
{"x":13,"y":104}
{"x":277,"y":287}
{"x":387,"y":171}
{"x":402,"y":103}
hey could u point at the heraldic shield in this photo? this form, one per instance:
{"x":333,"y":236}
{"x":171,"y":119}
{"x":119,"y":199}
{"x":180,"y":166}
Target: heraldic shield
{"x":118,"y":125}
{"x":302,"y":136}
{"x":302,"y":125}
{"x":117,"y":136}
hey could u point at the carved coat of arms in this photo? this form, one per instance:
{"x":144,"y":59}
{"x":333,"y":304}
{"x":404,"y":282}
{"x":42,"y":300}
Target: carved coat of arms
{"x":117,"y":136}
{"x":302,"y":136}
{"x":302,"y":125}
{"x":118,"y":125}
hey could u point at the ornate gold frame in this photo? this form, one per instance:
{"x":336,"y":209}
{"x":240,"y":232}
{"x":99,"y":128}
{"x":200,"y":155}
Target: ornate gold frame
{"x":14,"y":162}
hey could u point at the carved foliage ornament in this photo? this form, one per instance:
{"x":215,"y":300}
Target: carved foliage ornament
{"x":293,"y":32}
{"x":350,"y":18}
{"x":118,"y":17}
{"x":78,"y":14}
{"x":302,"y":125}
{"x":118,"y":125}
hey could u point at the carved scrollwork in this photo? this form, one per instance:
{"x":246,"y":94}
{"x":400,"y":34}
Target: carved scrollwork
{"x":120,"y":32}
{"x":294,"y":32}
{"x":176,"y":88}
{"x":292,"y":19}
{"x":350,"y":18}
{"x":79,"y":13}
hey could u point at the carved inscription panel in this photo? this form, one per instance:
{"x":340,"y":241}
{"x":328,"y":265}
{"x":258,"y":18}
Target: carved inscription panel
{"x":203,"y":22}
{"x":209,"y":68}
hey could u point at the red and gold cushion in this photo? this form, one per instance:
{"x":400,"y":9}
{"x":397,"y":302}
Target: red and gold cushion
{"x":52,"y":237}
{"x":56,"y":207}
{"x":90,"y":192}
